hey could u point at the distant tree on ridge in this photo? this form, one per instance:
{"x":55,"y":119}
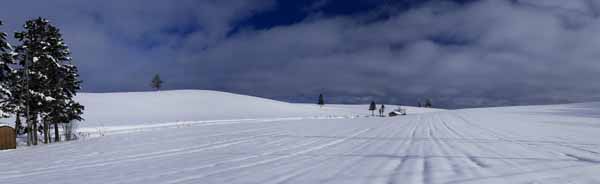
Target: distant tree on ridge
{"x":157,"y":82}
{"x":428,"y":103}
{"x":321,"y":101}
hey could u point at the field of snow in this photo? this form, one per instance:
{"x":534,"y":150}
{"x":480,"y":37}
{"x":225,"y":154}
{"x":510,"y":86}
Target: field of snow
{"x":107,"y":113}
{"x":264,"y":141}
{"x":146,"y":108}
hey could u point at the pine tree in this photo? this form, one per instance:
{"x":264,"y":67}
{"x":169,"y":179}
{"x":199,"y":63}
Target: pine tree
{"x":70,"y":111}
{"x":321,"y":100}
{"x":65,"y":84}
{"x":372,"y":108}
{"x":6,"y":59}
{"x":46,"y":81}
{"x":156,"y":82}
{"x":428,"y":103}
{"x":65,"y":109}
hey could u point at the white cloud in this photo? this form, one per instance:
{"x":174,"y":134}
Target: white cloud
{"x":485,"y":52}
{"x":480,"y":50}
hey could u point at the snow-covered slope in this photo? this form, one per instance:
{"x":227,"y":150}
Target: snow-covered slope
{"x":135,"y":108}
{"x":532,"y":144}
{"x":144,"y":108}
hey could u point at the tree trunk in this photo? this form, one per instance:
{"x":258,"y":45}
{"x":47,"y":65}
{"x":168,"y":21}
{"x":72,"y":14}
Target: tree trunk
{"x":46,"y":132}
{"x":29,"y":130}
{"x":35,"y":130}
{"x":56,"y":134}
{"x":17,"y":123}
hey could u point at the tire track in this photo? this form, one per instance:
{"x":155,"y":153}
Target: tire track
{"x":137,"y":157}
{"x":224,"y":162}
{"x":190,"y":178}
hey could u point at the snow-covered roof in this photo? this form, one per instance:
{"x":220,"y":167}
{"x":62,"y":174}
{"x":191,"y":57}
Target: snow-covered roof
{"x":2,"y":124}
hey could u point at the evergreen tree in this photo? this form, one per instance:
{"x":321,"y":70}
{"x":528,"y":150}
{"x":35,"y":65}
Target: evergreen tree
{"x":65,"y":109}
{"x":65,"y":83}
{"x":31,"y":80}
{"x":68,"y":112}
{"x":321,"y":100}
{"x":46,"y":81}
{"x":156,"y":82}
{"x":372,"y":108}
{"x":6,"y":59}
{"x":428,"y":103}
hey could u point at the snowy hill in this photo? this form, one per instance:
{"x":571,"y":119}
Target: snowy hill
{"x":529,"y":144}
{"x":135,"y":108}
{"x":142,"y":108}
{"x":137,"y":111}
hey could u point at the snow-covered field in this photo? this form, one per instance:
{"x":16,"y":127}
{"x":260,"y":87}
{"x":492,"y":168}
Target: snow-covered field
{"x":212,"y":137}
{"x":139,"y":111}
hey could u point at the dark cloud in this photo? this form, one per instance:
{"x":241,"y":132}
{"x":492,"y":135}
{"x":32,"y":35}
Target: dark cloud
{"x":480,"y":53}
{"x":118,"y":44}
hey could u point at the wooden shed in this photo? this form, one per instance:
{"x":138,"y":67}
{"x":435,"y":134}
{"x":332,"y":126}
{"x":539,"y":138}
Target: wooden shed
{"x":7,"y":137}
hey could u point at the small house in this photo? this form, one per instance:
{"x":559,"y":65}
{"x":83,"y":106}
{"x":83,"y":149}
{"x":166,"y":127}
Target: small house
{"x":7,"y":137}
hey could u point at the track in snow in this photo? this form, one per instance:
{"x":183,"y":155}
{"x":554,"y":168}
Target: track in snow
{"x":442,"y":147}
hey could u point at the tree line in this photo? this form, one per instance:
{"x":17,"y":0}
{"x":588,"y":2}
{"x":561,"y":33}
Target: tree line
{"x":38,"y":82}
{"x":373,"y":106}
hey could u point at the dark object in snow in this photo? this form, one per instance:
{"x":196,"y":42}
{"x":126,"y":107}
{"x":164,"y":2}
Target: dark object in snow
{"x":397,"y":112}
{"x":321,"y":100}
{"x":428,"y":103}
{"x":8,"y":139}
{"x":157,"y":82}
{"x":381,"y":110}
{"x":372,"y":108}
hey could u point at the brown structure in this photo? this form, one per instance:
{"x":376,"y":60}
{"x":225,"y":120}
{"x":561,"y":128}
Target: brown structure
{"x":7,"y":138}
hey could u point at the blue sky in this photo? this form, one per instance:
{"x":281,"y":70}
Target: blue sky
{"x":459,"y":53}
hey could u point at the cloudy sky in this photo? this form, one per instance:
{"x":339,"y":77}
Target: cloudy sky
{"x":459,"y":53}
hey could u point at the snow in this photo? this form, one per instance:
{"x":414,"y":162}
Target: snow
{"x":301,"y":143}
{"x":134,"y":110}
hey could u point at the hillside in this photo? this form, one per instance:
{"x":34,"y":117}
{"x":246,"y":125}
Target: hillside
{"x":137,"y":109}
